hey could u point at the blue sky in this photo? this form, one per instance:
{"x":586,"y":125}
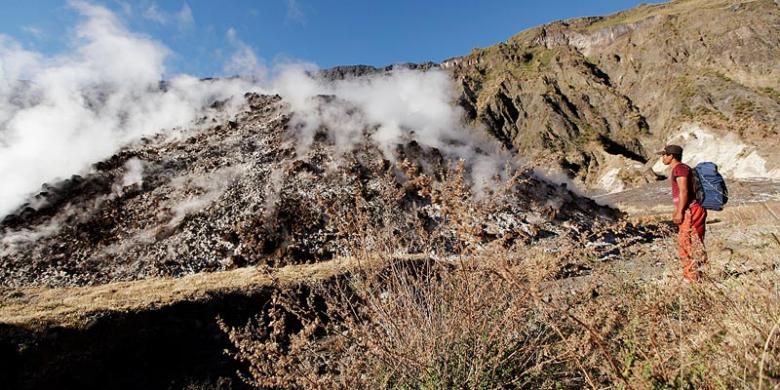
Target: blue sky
{"x":202,"y":33}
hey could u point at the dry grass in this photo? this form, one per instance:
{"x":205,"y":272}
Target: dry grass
{"x":412,"y":325}
{"x":484,"y":324}
{"x":646,"y":11}
{"x":73,"y":306}
{"x":498,"y":317}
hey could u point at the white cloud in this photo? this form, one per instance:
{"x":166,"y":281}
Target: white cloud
{"x":125,"y":7}
{"x":232,"y":34}
{"x":154,"y":14}
{"x":34,"y":31}
{"x":184,"y":17}
{"x":294,"y":12}
{"x":243,"y":62}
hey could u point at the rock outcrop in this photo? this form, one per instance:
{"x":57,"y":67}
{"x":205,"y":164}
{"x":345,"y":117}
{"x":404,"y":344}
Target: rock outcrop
{"x":238,"y":193}
{"x":582,"y":92}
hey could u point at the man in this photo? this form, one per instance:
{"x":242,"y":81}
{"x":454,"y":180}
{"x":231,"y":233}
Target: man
{"x":688,"y":214}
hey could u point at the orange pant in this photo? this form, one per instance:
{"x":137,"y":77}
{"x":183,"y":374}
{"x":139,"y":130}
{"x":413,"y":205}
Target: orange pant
{"x":691,"y":241}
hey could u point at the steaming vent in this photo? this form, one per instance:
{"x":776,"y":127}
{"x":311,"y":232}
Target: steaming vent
{"x":245,"y":192}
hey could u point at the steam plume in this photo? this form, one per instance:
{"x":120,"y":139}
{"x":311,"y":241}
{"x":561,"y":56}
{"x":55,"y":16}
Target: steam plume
{"x":60,"y":114}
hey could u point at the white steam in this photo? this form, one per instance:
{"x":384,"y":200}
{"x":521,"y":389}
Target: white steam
{"x":555,"y":175}
{"x":202,"y":191}
{"x":134,"y":172}
{"x":396,"y":108}
{"x":243,"y":61}
{"x":10,"y":242}
{"x":59,"y":114}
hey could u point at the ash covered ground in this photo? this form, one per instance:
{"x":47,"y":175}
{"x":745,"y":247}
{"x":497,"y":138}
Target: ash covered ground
{"x":241,"y":192}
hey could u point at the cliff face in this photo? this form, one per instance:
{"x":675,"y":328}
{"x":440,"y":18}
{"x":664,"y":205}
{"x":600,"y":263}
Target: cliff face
{"x":599,"y":95}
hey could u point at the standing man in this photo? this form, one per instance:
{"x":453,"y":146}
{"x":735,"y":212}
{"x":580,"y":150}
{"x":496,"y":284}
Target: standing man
{"x":688,"y":214}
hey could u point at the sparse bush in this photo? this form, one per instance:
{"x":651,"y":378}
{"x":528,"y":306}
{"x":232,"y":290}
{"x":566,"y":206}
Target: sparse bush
{"x":466,"y":327}
{"x":466,"y":320}
{"x":674,"y":335}
{"x":417,"y":324}
{"x":483,"y":322}
{"x":470,"y":311}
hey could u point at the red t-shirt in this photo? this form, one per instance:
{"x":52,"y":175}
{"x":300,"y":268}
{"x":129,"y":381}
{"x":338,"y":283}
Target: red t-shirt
{"x":679,"y":171}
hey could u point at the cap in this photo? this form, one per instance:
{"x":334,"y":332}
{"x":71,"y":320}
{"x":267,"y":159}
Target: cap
{"x":671,"y":149}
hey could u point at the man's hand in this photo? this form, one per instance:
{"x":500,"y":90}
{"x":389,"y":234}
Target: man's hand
{"x":677,"y":218}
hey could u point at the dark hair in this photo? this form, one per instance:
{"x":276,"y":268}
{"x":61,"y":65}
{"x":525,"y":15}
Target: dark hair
{"x":677,"y":156}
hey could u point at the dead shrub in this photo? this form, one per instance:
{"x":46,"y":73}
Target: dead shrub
{"x":439,"y":327}
{"x":716,"y":334}
{"x":489,"y":307}
{"x":466,"y":320}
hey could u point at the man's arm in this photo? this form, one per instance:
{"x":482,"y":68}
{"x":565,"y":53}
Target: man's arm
{"x":679,"y":210}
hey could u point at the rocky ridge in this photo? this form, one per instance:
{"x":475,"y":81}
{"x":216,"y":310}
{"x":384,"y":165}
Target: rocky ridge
{"x":598,"y":95}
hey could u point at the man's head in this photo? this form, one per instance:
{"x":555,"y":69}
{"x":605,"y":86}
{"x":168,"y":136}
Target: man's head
{"x":671,"y":153}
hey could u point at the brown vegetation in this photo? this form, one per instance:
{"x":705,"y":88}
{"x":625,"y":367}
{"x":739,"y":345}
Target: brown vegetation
{"x":478,"y":307}
{"x":485,"y":324}
{"x":510,"y":316}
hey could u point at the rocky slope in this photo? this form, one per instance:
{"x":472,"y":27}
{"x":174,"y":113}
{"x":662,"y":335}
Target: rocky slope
{"x":598,"y":95}
{"x":595,"y":95}
{"x":237,"y":193}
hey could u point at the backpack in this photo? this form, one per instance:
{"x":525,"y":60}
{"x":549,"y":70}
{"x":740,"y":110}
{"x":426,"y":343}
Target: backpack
{"x":709,"y":186}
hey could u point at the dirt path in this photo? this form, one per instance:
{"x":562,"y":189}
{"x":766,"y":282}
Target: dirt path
{"x":743,"y":238}
{"x":74,"y":306}
{"x":655,"y":198}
